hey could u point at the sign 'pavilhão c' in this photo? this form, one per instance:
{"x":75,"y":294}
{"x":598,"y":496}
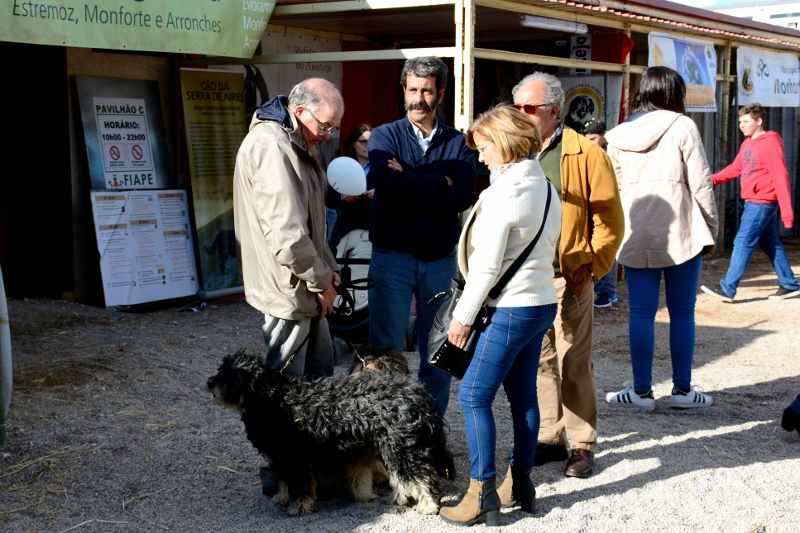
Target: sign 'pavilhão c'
{"x":214,"y":27}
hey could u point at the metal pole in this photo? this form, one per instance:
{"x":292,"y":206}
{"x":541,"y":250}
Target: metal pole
{"x":723,"y":141}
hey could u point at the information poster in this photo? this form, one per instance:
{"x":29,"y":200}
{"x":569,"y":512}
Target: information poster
{"x":214,"y":113}
{"x":696,"y":61}
{"x":145,"y":244}
{"x":771,"y":79}
{"x":123,"y":129}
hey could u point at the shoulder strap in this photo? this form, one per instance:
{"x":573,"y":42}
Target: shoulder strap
{"x":498,"y":288}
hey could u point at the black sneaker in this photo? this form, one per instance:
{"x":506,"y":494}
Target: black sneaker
{"x":784,"y":293}
{"x":717,"y":292}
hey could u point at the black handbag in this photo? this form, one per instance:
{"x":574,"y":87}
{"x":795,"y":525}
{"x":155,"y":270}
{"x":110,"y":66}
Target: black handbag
{"x":448,"y":357}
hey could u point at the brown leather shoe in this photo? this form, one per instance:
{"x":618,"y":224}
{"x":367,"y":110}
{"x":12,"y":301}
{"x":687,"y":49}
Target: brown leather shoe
{"x":548,"y":453}
{"x":580,"y":464}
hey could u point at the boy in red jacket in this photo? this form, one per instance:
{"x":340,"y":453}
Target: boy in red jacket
{"x":765,"y":187}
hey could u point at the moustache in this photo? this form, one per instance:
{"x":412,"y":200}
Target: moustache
{"x":420,"y":107}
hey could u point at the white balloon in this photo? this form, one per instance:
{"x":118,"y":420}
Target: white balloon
{"x":346,"y":176}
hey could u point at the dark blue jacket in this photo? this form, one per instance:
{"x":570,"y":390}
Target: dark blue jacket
{"x":415,"y":211}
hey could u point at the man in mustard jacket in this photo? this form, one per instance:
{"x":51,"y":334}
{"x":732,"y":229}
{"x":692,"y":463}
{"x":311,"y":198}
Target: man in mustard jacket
{"x":592,"y":226}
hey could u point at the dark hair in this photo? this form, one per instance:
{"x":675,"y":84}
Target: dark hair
{"x":425,"y":66}
{"x":658,"y":88}
{"x":756,"y":111}
{"x":349,"y":148}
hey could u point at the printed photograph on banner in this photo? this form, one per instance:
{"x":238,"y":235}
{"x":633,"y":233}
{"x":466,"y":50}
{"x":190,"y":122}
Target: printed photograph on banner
{"x":214,"y":113}
{"x":585,"y":99}
{"x":123,"y":129}
{"x":769,"y":78}
{"x":695,"y":60}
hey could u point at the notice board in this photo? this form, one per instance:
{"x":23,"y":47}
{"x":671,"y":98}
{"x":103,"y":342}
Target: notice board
{"x":144,"y":240}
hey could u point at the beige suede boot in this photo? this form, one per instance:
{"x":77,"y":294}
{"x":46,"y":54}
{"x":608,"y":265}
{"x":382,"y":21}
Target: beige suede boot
{"x":480,"y":500}
{"x":517,"y":489}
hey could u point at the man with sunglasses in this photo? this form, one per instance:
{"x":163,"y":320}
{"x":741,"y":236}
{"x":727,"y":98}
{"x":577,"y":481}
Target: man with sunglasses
{"x":591,"y":232}
{"x":289,"y":272}
{"x":424,"y":176}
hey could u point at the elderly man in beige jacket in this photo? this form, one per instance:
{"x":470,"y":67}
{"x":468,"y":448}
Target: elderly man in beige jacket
{"x":279,"y":215}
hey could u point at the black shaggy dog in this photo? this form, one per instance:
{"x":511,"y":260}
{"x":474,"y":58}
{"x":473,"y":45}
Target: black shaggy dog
{"x":306,"y":427}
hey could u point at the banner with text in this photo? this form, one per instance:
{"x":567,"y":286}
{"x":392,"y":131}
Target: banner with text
{"x":771,"y":79}
{"x":214,"y":116}
{"x":696,"y":61}
{"x":145,"y":244}
{"x":182,"y":26}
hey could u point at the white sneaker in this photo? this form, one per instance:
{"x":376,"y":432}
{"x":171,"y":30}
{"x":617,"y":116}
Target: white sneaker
{"x":692,"y":400}
{"x":627,"y":397}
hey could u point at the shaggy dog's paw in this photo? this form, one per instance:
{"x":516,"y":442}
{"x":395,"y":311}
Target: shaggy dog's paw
{"x":426,"y":506}
{"x":282,"y":496}
{"x":301,"y":506}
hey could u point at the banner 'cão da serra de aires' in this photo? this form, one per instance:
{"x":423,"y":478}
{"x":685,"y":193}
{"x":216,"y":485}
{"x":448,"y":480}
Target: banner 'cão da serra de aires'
{"x":214,"y":27}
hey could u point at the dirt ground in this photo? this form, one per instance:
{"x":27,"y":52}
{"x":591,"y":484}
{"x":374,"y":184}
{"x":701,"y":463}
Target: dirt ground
{"x":111,"y":429}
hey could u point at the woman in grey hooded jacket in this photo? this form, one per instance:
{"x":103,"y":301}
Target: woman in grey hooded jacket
{"x":670,"y":222}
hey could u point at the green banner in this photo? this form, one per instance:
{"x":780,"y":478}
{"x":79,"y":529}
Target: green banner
{"x":214,"y":27}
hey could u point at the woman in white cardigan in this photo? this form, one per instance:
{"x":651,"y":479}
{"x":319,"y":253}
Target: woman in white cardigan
{"x":503,"y":222}
{"x":670,"y":222}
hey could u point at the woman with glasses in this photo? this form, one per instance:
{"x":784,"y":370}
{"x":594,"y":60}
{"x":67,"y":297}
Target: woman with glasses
{"x":670,"y":223}
{"x":354,"y":212}
{"x":504,"y":221}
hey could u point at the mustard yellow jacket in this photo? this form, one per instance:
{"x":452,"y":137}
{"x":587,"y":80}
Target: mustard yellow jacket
{"x":592,"y":222}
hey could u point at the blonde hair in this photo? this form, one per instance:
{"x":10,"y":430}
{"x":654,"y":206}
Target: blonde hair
{"x":513,"y":132}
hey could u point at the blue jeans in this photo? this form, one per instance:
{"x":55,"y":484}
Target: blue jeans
{"x":397,"y":276}
{"x":508,"y":353}
{"x":795,"y":405}
{"x":758,"y":227}
{"x":681,"y":283}
{"x":608,"y":283}
{"x":331,"y":215}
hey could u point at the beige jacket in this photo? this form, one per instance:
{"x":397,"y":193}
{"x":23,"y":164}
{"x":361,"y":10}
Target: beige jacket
{"x":666,"y":190}
{"x":279,"y":217}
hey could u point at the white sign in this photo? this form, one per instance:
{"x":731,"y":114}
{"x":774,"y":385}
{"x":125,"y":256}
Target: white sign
{"x":586,"y":98}
{"x":771,"y":79}
{"x":145,"y":244}
{"x":580,"y":47}
{"x":125,"y":146}
{"x":695,"y":60}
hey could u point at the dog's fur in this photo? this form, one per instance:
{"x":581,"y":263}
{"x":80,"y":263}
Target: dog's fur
{"x":304,"y":427}
{"x":381,"y":359}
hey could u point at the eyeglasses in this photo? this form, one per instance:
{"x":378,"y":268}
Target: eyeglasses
{"x":529,"y":109}
{"x":481,"y":148}
{"x":362,"y":142}
{"x":322,"y":130}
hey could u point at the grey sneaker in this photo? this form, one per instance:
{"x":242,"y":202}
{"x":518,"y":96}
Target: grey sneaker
{"x":717,"y":292}
{"x":691,"y":400}
{"x":783,"y":293}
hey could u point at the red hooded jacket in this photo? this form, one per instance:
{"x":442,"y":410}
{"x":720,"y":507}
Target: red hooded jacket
{"x":762,"y":167}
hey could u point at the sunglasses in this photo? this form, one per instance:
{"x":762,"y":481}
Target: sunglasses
{"x":529,"y":109}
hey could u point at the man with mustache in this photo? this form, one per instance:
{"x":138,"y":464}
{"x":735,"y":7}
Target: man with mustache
{"x":424,"y":176}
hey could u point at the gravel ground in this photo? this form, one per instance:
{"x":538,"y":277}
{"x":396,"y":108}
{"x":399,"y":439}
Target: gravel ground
{"x":111,"y":429}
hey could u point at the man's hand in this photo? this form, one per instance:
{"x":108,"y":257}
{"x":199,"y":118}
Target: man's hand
{"x":336,"y":282}
{"x":394,"y":165}
{"x":326,"y":299}
{"x":457,"y":333}
{"x":348,"y":198}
